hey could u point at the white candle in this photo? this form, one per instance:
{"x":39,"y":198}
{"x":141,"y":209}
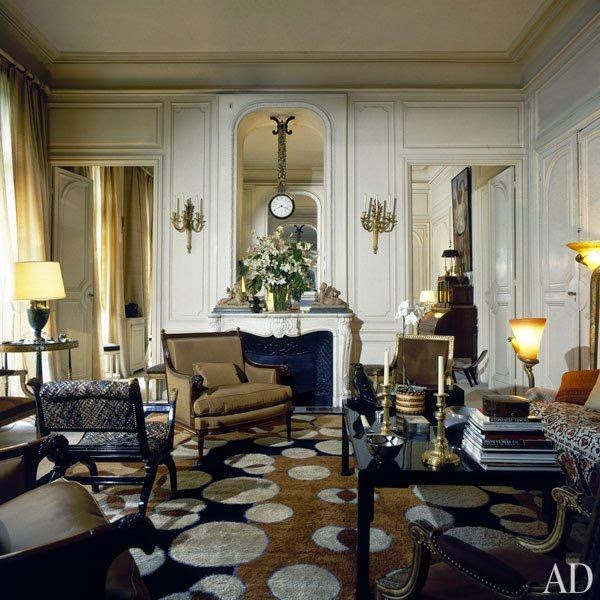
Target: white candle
{"x":441,"y":374}
{"x":386,"y":367}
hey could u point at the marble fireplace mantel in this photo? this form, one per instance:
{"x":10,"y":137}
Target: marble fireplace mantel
{"x":295,"y":324}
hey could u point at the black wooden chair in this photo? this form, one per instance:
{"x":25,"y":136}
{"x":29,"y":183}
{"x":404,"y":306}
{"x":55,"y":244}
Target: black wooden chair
{"x":111,"y":416}
{"x":468,"y":368}
{"x":464,"y":571}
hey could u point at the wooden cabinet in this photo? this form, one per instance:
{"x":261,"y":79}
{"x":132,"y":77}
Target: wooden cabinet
{"x":136,"y":343}
{"x":459,"y":321}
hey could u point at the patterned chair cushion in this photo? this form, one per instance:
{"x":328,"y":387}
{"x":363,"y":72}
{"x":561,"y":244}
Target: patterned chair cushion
{"x":576,"y":432}
{"x":156,"y":432}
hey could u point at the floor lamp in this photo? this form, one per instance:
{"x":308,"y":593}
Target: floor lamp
{"x":588,"y":254}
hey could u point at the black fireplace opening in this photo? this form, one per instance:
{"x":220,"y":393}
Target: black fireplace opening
{"x":309,"y":358}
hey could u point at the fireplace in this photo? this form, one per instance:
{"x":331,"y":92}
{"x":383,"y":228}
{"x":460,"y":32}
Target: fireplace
{"x":309,"y":358}
{"x":315,"y":346}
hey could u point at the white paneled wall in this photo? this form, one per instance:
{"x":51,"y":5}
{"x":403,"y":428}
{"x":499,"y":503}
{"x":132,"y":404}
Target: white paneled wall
{"x":371,"y":138}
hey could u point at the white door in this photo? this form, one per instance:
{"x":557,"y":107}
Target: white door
{"x":501,"y":293}
{"x":589,"y":198}
{"x":560,"y":294}
{"x":72,"y":247}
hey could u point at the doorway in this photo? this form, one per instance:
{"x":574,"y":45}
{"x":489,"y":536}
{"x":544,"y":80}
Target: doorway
{"x":468,"y":211}
{"x":103,"y":238}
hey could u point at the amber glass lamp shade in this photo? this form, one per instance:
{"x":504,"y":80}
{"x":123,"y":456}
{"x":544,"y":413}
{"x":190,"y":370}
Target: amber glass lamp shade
{"x":527,"y":337}
{"x":588,"y":253}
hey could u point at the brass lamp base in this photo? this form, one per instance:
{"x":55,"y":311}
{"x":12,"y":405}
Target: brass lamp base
{"x":440,"y":455}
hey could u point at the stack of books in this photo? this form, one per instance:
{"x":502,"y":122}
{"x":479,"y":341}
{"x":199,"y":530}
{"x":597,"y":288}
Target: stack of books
{"x":503,"y":436}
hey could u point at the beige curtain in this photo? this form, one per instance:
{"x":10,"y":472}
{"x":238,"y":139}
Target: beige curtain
{"x":108,"y":258}
{"x":138,"y":239}
{"x":24,"y":193}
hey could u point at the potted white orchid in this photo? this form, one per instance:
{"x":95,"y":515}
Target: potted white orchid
{"x":410,"y":399}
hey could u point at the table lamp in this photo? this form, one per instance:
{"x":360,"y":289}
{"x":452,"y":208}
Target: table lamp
{"x":427,"y":297}
{"x":38,"y":282}
{"x":588,"y":254}
{"x":452,"y":254}
{"x":526,"y":343}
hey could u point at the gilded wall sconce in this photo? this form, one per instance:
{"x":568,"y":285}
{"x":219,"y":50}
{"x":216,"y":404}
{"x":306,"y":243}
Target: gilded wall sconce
{"x":378,"y":219}
{"x":188,"y":220}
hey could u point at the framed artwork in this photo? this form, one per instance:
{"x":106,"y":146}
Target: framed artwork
{"x":461,"y":219}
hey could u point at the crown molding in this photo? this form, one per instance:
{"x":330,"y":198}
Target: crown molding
{"x":269,"y":57}
{"x":32,"y":38}
{"x":534,"y":28}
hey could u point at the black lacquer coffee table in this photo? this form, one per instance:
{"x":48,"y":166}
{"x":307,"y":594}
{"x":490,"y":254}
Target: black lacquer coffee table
{"x":407,"y":469}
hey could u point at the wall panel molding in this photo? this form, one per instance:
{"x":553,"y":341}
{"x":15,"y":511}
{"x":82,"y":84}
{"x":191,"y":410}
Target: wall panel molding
{"x":111,"y":125}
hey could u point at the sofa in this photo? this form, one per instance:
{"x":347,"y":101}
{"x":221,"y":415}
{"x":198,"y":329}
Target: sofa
{"x":575,"y":431}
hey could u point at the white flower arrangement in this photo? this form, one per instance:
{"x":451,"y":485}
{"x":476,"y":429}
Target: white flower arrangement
{"x":273,"y":261}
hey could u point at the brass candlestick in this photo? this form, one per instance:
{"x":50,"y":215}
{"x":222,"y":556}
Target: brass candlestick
{"x":441,"y":455}
{"x":386,"y":424}
{"x":378,"y":219}
{"x":188,"y":220}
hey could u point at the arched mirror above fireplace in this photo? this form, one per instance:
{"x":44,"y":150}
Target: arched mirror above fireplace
{"x":260,"y":170}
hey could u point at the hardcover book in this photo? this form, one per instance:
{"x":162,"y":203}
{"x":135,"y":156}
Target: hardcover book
{"x":505,"y":406}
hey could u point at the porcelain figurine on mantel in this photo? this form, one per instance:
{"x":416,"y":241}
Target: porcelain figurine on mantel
{"x":235,"y":300}
{"x":328,"y":300}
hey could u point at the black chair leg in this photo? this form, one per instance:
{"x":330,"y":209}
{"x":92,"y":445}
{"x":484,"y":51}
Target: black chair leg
{"x":468,"y":376}
{"x":170,"y":464}
{"x":474,"y":374}
{"x":93,"y":469}
{"x":200,"y":458}
{"x":454,"y":377}
{"x":151,"y":469}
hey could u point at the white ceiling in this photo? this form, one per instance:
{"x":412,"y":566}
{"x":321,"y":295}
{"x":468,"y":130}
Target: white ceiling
{"x":207,"y":26}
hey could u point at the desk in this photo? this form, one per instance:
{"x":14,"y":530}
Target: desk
{"x":38,"y":348}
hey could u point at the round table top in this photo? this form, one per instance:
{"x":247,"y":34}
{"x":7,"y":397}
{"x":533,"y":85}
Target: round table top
{"x":33,"y":346}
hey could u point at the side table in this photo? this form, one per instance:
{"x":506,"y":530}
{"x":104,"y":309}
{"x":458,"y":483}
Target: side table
{"x":38,"y":348}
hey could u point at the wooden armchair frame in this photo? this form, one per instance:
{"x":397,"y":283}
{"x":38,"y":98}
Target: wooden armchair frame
{"x":76,"y":566}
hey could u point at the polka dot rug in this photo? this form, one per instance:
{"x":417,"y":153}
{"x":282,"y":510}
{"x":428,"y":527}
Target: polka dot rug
{"x":267,"y":518}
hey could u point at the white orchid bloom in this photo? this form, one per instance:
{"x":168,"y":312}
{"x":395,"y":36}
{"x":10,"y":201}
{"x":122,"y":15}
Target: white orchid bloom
{"x":411,"y":319}
{"x":403,"y":309}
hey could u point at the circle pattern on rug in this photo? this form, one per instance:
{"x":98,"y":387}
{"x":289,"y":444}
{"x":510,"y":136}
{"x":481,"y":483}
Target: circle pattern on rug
{"x":309,"y":472}
{"x":148,"y":563}
{"x":298,"y":453}
{"x":219,"y":544}
{"x":304,"y":418}
{"x":241,"y":490}
{"x":519,"y":519}
{"x":177,"y":513}
{"x":189,"y":480}
{"x":338,"y":495}
{"x":255,"y":464}
{"x":273,"y":442}
{"x":331,"y":447}
{"x":500,"y":489}
{"x":483,"y":538}
{"x":299,"y":582}
{"x":270,"y":512}
{"x":341,"y":539}
{"x":331,"y":432}
{"x":304,"y":434}
{"x":436,"y":516}
{"x":454,"y":496}
{"x":220,"y":587}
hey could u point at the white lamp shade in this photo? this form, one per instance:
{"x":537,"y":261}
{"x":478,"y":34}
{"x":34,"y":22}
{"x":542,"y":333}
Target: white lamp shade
{"x":427,"y":297}
{"x":37,"y":280}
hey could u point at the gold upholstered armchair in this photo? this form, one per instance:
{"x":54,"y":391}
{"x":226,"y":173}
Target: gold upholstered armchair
{"x":219,"y":389}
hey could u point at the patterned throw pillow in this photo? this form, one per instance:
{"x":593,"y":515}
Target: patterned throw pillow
{"x":575,"y":386}
{"x":593,"y":400}
{"x":216,"y":375}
